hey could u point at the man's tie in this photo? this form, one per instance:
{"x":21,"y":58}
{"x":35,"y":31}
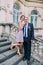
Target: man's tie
{"x":25,"y":30}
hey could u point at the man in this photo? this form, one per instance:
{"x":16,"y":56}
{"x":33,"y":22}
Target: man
{"x":28,"y":31}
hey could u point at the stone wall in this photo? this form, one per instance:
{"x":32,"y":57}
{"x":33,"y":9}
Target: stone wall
{"x":6,"y":13}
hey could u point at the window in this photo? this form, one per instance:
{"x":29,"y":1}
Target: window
{"x":16,"y":13}
{"x":34,"y":17}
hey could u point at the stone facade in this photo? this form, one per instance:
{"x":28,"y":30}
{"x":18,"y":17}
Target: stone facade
{"x":6,"y":13}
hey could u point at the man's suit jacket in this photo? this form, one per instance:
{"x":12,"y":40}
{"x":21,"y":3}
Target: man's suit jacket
{"x":30,"y":31}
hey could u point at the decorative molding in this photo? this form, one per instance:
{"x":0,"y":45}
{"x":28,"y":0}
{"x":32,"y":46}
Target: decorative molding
{"x":39,"y":16}
{"x":20,"y":12}
{"x":8,"y":5}
{"x":16,"y":5}
{"x":41,"y":19}
{"x":3,"y":8}
{"x":30,"y":5}
{"x":29,"y":15}
{"x":35,"y":8}
{"x":37,"y":1}
{"x":0,"y":7}
{"x":10,"y":12}
{"x":38,"y":28}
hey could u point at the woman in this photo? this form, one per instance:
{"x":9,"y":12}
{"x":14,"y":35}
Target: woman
{"x":19,"y":38}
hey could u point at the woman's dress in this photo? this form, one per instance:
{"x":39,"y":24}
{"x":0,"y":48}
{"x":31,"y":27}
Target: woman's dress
{"x":19,"y":37}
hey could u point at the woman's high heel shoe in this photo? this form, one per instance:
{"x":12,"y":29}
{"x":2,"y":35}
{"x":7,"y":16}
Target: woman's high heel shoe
{"x":18,"y":53}
{"x":11,"y":46}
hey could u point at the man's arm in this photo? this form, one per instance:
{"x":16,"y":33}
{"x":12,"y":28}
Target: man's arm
{"x":32,"y":32}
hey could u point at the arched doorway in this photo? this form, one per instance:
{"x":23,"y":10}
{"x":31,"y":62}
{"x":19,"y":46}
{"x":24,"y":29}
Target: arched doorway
{"x":34,"y":17}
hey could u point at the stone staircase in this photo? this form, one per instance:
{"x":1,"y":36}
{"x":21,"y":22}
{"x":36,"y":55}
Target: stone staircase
{"x":9,"y":57}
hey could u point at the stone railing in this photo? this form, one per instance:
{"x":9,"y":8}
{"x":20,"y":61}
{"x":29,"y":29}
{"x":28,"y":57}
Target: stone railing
{"x":37,"y":47}
{"x":38,"y":32}
{"x":5,"y":29}
{"x":37,"y":50}
{"x":13,"y":33}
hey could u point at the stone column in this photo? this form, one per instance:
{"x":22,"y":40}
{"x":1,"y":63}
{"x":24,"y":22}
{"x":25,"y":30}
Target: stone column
{"x":2,"y":14}
{"x":2,"y":11}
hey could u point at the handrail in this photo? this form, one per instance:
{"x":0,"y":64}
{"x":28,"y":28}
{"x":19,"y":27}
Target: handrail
{"x":14,"y":28}
{"x":14,"y":25}
{"x":37,"y":50}
{"x":39,"y":40}
{"x":36,"y":47}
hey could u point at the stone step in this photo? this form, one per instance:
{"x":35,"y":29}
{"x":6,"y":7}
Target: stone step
{"x":1,"y":56}
{"x":25,"y":62}
{"x":3,"y":39}
{"x":22,"y":63}
{"x":0,"y":64}
{"x":13,"y":61}
{"x":5,"y":43}
{"x":38,"y":58}
{"x":4,"y":48}
{"x":35,"y":62}
{"x":6,"y":55}
{"x":9,"y":57}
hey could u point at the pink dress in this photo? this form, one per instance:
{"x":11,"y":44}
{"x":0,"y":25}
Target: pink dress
{"x":19,"y":37}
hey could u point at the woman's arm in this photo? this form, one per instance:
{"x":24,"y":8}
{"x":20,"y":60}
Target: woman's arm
{"x":20,"y":25}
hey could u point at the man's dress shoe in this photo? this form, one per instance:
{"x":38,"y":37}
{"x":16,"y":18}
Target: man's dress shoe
{"x":28,"y":62}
